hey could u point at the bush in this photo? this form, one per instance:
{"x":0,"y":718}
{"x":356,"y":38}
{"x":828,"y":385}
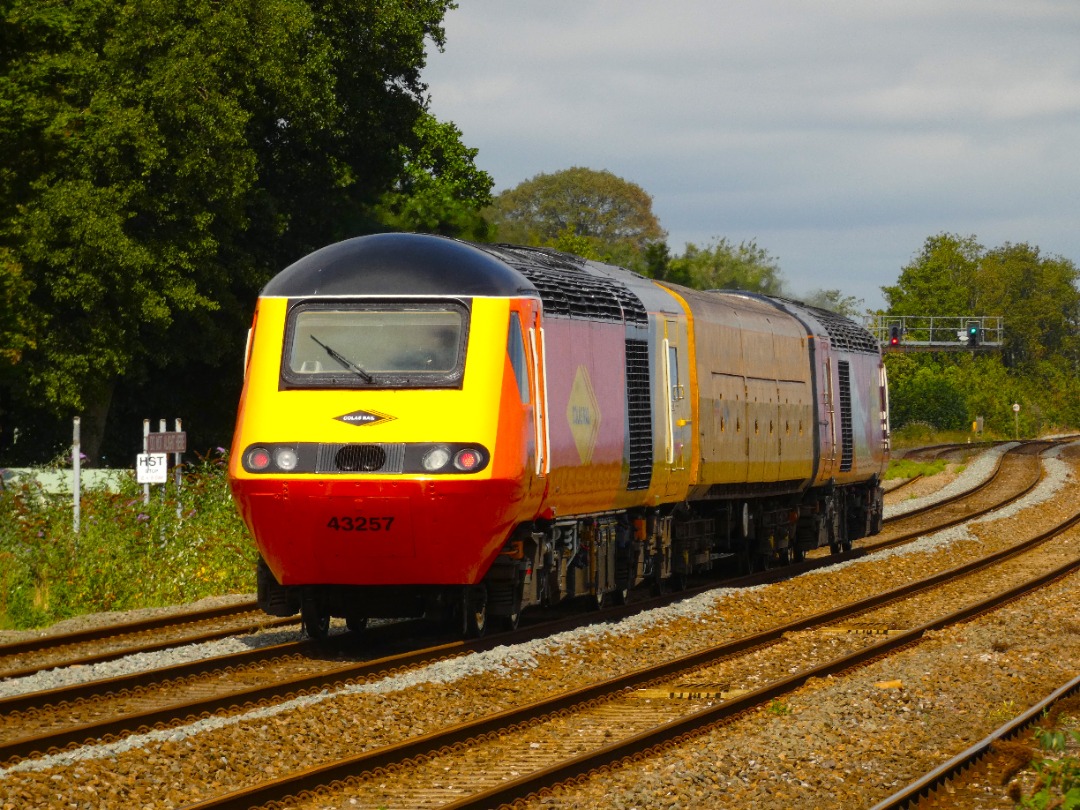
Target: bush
{"x":128,"y":554}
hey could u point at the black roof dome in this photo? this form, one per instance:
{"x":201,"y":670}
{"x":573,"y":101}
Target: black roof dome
{"x":399,"y":264}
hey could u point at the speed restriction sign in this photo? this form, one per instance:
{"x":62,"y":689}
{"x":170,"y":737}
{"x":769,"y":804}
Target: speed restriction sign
{"x":152,"y":468}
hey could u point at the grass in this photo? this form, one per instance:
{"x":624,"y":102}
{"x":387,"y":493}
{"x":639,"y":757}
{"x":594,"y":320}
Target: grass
{"x":128,"y":554}
{"x":1052,"y":778}
{"x":903,"y":468}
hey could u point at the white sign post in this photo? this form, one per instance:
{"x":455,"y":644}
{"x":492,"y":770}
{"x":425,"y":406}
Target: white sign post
{"x":152,"y":468}
{"x":1016,"y":421}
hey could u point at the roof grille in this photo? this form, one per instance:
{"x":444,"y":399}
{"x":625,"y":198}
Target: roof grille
{"x":567,"y":287}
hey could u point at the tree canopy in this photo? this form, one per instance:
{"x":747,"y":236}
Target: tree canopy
{"x":1037,"y":297}
{"x":1036,"y":294}
{"x":164,"y":158}
{"x":723,"y":265}
{"x":592,"y":213}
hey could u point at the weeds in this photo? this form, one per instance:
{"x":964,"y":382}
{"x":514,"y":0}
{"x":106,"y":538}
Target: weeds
{"x":1055,"y":776}
{"x":128,"y":554}
{"x":904,"y":468}
{"x":779,"y":708}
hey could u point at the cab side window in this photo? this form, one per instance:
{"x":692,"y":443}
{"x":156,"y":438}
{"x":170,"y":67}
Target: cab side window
{"x":515,"y":348}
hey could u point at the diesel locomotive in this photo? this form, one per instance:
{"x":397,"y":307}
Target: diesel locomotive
{"x":430,"y":427}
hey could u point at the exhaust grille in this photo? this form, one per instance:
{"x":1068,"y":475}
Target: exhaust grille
{"x":360,"y":458}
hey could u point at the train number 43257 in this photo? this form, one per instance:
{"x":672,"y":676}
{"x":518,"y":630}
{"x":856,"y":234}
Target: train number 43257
{"x":360,"y":524}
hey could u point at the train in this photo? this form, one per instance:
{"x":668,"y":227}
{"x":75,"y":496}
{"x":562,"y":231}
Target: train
{"x":435,"y":428}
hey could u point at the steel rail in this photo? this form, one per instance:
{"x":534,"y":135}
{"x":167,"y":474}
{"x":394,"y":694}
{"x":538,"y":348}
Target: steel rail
{"x":393,"y":755}
{"x":172,"y":713}
{"x":674,"y":732}
{"x":126,"y":628}
{"x":925,"y":785}
{"x":922,"y":510}
{"x":262,"y":623}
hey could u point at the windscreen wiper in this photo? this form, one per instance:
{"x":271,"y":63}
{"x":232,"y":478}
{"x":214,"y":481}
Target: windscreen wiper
{"x":349,"y":364}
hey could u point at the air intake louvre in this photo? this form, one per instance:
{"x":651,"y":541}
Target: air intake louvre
{"x":567,"y":288}
{"x":360,"y":458}
{"x":847,"y":437}
{"x":639,"y":414}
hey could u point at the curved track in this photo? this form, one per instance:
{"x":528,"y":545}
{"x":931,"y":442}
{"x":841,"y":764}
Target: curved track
{"x":640,"y":722}
{"x":48,"y":721}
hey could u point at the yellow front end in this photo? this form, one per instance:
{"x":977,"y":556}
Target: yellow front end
{"x":355,"y":522}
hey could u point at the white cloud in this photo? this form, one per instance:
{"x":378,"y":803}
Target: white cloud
{"x":839,"y":134}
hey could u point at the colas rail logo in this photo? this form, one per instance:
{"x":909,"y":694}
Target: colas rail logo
{"x":360,"y":418}
{"x":583,"y":415}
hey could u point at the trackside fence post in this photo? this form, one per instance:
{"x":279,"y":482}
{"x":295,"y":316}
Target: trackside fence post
{"x":76,"y":473}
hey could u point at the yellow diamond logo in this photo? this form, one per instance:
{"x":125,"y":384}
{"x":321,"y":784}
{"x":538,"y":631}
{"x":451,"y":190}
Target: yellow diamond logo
{"x":583,"y":414}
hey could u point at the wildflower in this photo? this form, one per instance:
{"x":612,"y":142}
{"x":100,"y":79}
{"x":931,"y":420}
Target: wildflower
{"x":142,"y":517}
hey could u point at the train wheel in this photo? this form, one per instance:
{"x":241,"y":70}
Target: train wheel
{"x":599,"y":600}
{"x":511,"y":621}
{"x":356,"y":624}
{"x":314,"y":618}
{"x":620,"y":596}
{"x":474,"y":611}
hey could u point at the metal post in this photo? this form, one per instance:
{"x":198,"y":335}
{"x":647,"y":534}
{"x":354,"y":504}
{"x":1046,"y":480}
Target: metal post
{"x":162,"y":428}
{"x":145,"y":440}
{"x":178,"y":476}
{"x":76,"y":472}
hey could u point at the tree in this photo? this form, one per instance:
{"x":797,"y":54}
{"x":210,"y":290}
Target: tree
{"x":726,"y":266}
{"x":613,"y":216}
{"x":1036,"y":294}
{"x":1038,"y":297}
{"x":163,"y":159}
{"x":940,"y":280}
{"x":925,"y":393}
{"x":440,"y":189}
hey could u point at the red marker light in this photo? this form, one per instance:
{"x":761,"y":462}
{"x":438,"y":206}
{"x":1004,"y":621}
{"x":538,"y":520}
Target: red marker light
{"x":258,"y":458}
{"x":467,"y":460}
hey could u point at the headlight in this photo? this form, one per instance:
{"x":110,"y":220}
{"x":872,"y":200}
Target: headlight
{"x":285,"y":458}
{"x":436,"y":458}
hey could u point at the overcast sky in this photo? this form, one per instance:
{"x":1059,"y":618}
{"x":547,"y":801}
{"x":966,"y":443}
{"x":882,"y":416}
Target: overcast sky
{"x":838,"y":134}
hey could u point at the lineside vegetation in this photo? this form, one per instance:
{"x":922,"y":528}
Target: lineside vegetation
{"x":128,"y":554}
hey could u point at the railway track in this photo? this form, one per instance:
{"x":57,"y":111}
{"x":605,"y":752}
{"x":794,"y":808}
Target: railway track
{"x":81,"y":772}
{"x":929,"y":785}
{"x":563,"y":737}
{"x":66,"y":717}
{"x":107,"y":643}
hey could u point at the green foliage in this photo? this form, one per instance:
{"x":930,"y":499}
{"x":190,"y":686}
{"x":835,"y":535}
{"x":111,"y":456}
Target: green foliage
{"x":940,"y":280}
{"x":163,"y":159}
{"x":127,"y":554}
{"x":1036,"y":294}
{"x":779,"y":708}
{"x":441,"y":190}
{"x":601,"y":214}
{"x":1057,"y":778}
{"x":905,"y":468}
{"x":723,"y":265}
{"x":920,"y":392}
{"x":929,"y":388}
